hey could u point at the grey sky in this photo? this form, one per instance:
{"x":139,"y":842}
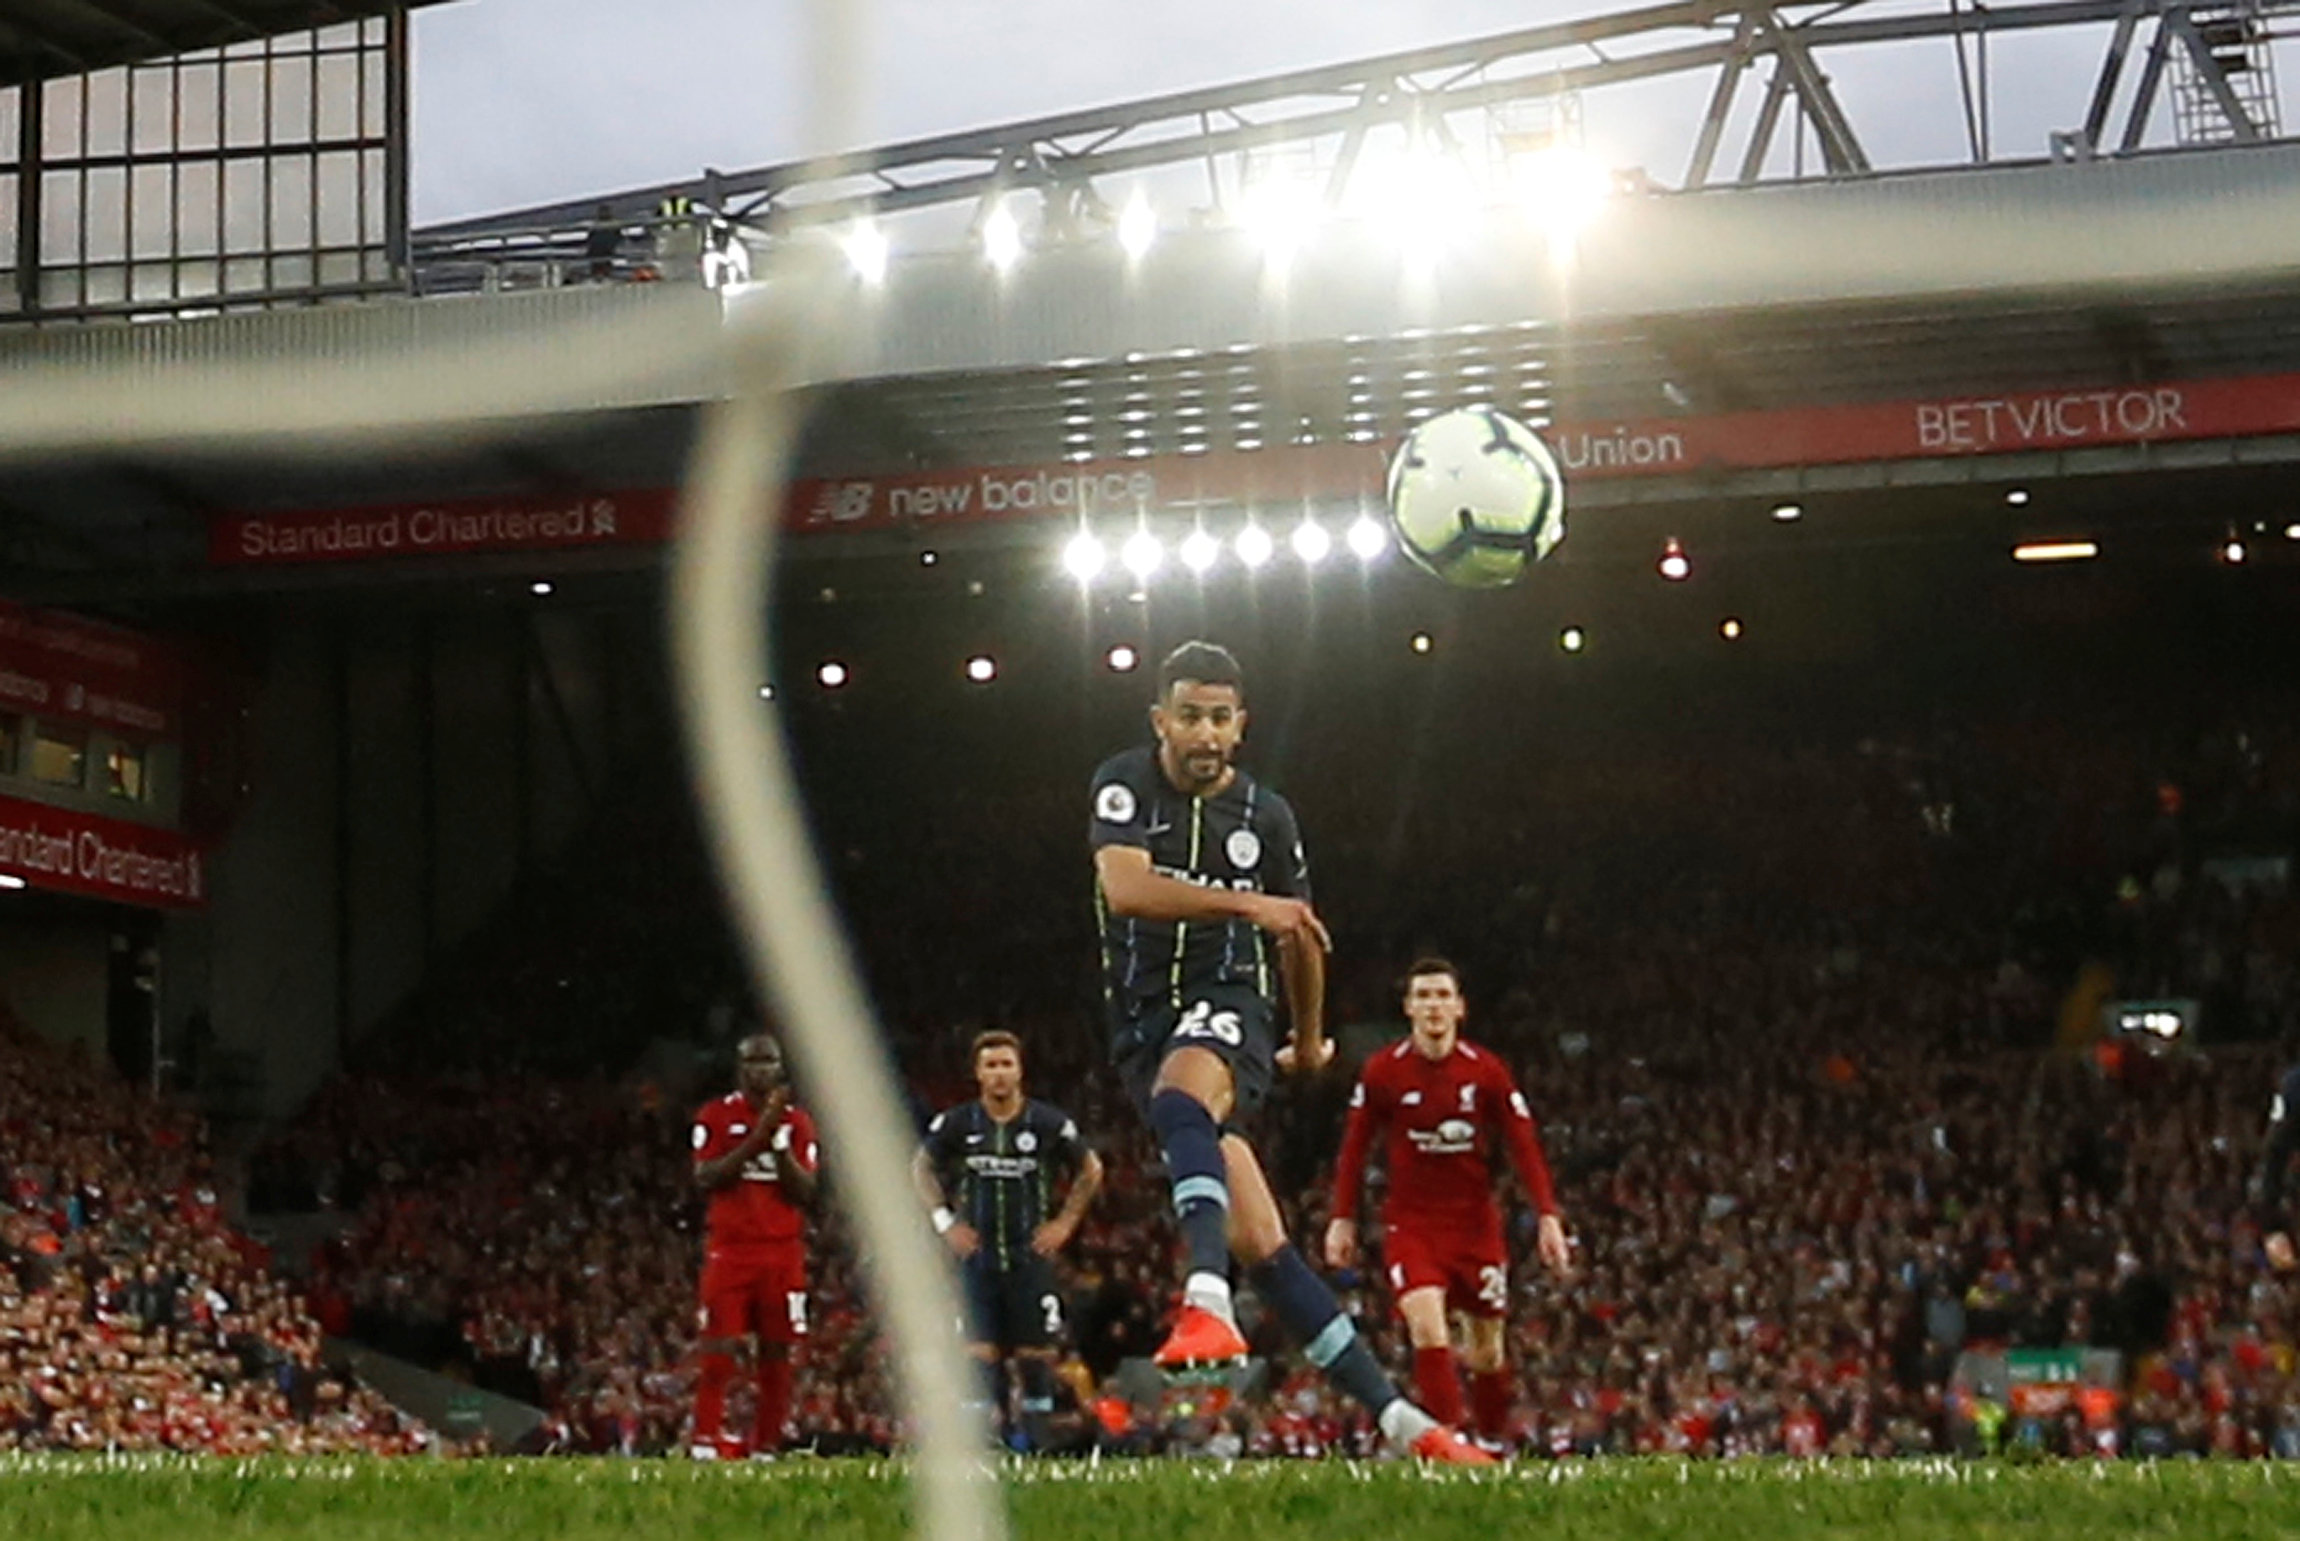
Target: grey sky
{"x":520,"y":102}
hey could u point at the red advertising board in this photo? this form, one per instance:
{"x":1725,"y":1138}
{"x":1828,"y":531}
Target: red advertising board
{"x":61,"y":666}
{"x":455,"y":527}
{"x":85,"y":853}
{"x":1292,"y":474}
{"x":1944,"y":426}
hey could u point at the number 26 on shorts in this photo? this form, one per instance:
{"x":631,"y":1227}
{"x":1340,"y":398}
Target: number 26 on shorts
{"x":1203,"y":1021}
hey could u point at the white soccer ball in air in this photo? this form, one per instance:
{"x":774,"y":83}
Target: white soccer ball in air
{"x":1475,"y":497}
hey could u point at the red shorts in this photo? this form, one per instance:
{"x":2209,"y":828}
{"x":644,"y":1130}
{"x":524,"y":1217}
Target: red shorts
{"x":1472,"y":1270}
{"x":763,"y":1292}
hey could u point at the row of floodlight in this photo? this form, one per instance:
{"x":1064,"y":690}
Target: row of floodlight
{"x":1430,"y":203}
{"x":1086,"y":555}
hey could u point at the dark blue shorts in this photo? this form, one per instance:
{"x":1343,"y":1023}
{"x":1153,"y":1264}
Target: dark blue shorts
{"x":1014,"y":1307}
{"x":1234,"y":1021}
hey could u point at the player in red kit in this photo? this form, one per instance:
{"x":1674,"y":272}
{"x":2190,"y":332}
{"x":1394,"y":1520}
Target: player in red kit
{"x":1444,"y":1104}
{"x":755,"y":1157}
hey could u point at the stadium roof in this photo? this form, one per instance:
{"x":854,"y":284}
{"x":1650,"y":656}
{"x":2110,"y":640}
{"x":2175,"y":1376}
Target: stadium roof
{"x":2154,"y":270}
{"x":43,"y":39}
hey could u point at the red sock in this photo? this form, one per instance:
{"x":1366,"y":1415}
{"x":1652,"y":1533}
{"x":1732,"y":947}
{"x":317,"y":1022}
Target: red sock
{"x":774,"y":1402}
{"x":711,"y":1397}
{"x":1495,"y":1398}
{"x":1439,"y":1386}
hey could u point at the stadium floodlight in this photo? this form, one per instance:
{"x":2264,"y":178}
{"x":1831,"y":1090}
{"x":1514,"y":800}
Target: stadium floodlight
{"x":11,"y":880}
{"x":982,"y":668}
{"x":1572,"y":640}
{"x":1563,"y":187}
{"x":929,"y":557}
{"x":1424,"y":196}
{"x":1367,"y":539}
{"x":539,"y":587}
{"x":1137,"y":226}
{"x":1254,"y":546}
{"x":1674,"y":565}
{"x":1142,"y":553}
{"x":866,"y":248}
{"x":1200,"y":550}
{"x":2292,"y":531}
{"x":2017,"y":497}
{"x":2232,"y":550}
{"x":1311,"y":542}
{"x":831,"y":674}
{"x":1001,"y":238}
{"x":1420,"y":642}
{"x":1278,"y":211}
{"x":1730,"y":628}
{"x":1122,"y":659}
{"x":1788,"y":513}
{"x":766,"y":692}
{"x":1083,"y":556}
{"x":2056,"y":551}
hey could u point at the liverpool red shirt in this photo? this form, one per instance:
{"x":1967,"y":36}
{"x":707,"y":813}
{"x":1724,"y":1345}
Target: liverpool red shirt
{"x":1443,"y":1119}
{"x":753,"y":1210}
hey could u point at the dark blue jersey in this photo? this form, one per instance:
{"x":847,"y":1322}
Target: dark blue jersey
{"x":1000,"y":1176}
{"x":1243,"y":838}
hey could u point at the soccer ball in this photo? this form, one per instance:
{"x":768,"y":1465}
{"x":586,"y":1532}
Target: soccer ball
{"x":1475,"y":496}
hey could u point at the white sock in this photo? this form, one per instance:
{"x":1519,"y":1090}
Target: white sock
{"x":1210,"y":1292}
{"x":1402,"y":1423}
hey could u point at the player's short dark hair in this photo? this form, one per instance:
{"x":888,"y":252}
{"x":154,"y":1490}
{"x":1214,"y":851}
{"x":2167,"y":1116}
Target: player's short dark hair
{"x":1206,"y":663}
{"x":1427,"y":964}
{"x":992,"y":1038}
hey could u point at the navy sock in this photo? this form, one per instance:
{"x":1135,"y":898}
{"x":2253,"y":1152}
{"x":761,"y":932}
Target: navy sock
{"x":990,"y":1393}
{"x":1193,"y":1150}
{"x":1037,"y":1397}
{"x":1310,"y":1312}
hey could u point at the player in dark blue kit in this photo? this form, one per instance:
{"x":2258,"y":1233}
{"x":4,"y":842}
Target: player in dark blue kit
{"x":987,"y":1170}
{"x":1203,"y":891}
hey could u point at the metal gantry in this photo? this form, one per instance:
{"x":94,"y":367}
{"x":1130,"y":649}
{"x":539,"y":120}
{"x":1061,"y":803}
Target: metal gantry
{"x":2212,"y":61}
{"x":264,"y":172}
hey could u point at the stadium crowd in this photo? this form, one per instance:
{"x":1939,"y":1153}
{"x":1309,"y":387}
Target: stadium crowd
{"x":1807,"y":1021}
{"x":131,"y":1316}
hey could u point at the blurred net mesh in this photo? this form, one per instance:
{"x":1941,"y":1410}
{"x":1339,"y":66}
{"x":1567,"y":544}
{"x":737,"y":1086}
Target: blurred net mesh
{"x":753,"y":348}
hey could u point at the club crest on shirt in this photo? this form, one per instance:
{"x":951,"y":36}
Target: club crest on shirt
{"x":1244,"y":848}
{"x":1026,"y":1142}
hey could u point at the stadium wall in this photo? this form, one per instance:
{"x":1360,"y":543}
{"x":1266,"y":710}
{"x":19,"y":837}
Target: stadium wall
{"x":58,"y":983}
{"x":408,"y":768}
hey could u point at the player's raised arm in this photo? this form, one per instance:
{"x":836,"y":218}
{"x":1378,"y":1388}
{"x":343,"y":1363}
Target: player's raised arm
{"x":1302,"y":964}
{"x":1522,"y":1135}
{"x":1132,"y":887}
{"x":1285,"y":876}
{"x":716,"y":1171}
{"x":796,"y":1157}
{"x":1367,"y":1115}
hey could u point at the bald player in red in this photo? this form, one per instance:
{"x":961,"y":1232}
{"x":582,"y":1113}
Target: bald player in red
{"x":1444,"y":1104}
{"x":755,"y":1158}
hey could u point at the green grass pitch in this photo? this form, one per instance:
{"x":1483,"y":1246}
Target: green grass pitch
{"x":171,"y":1499}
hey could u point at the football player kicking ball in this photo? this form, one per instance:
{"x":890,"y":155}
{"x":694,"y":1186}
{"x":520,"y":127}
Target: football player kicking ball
{"x":1204,"y":895}
{"x":1445,"y":1103}
{"x":755,"y":1158}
